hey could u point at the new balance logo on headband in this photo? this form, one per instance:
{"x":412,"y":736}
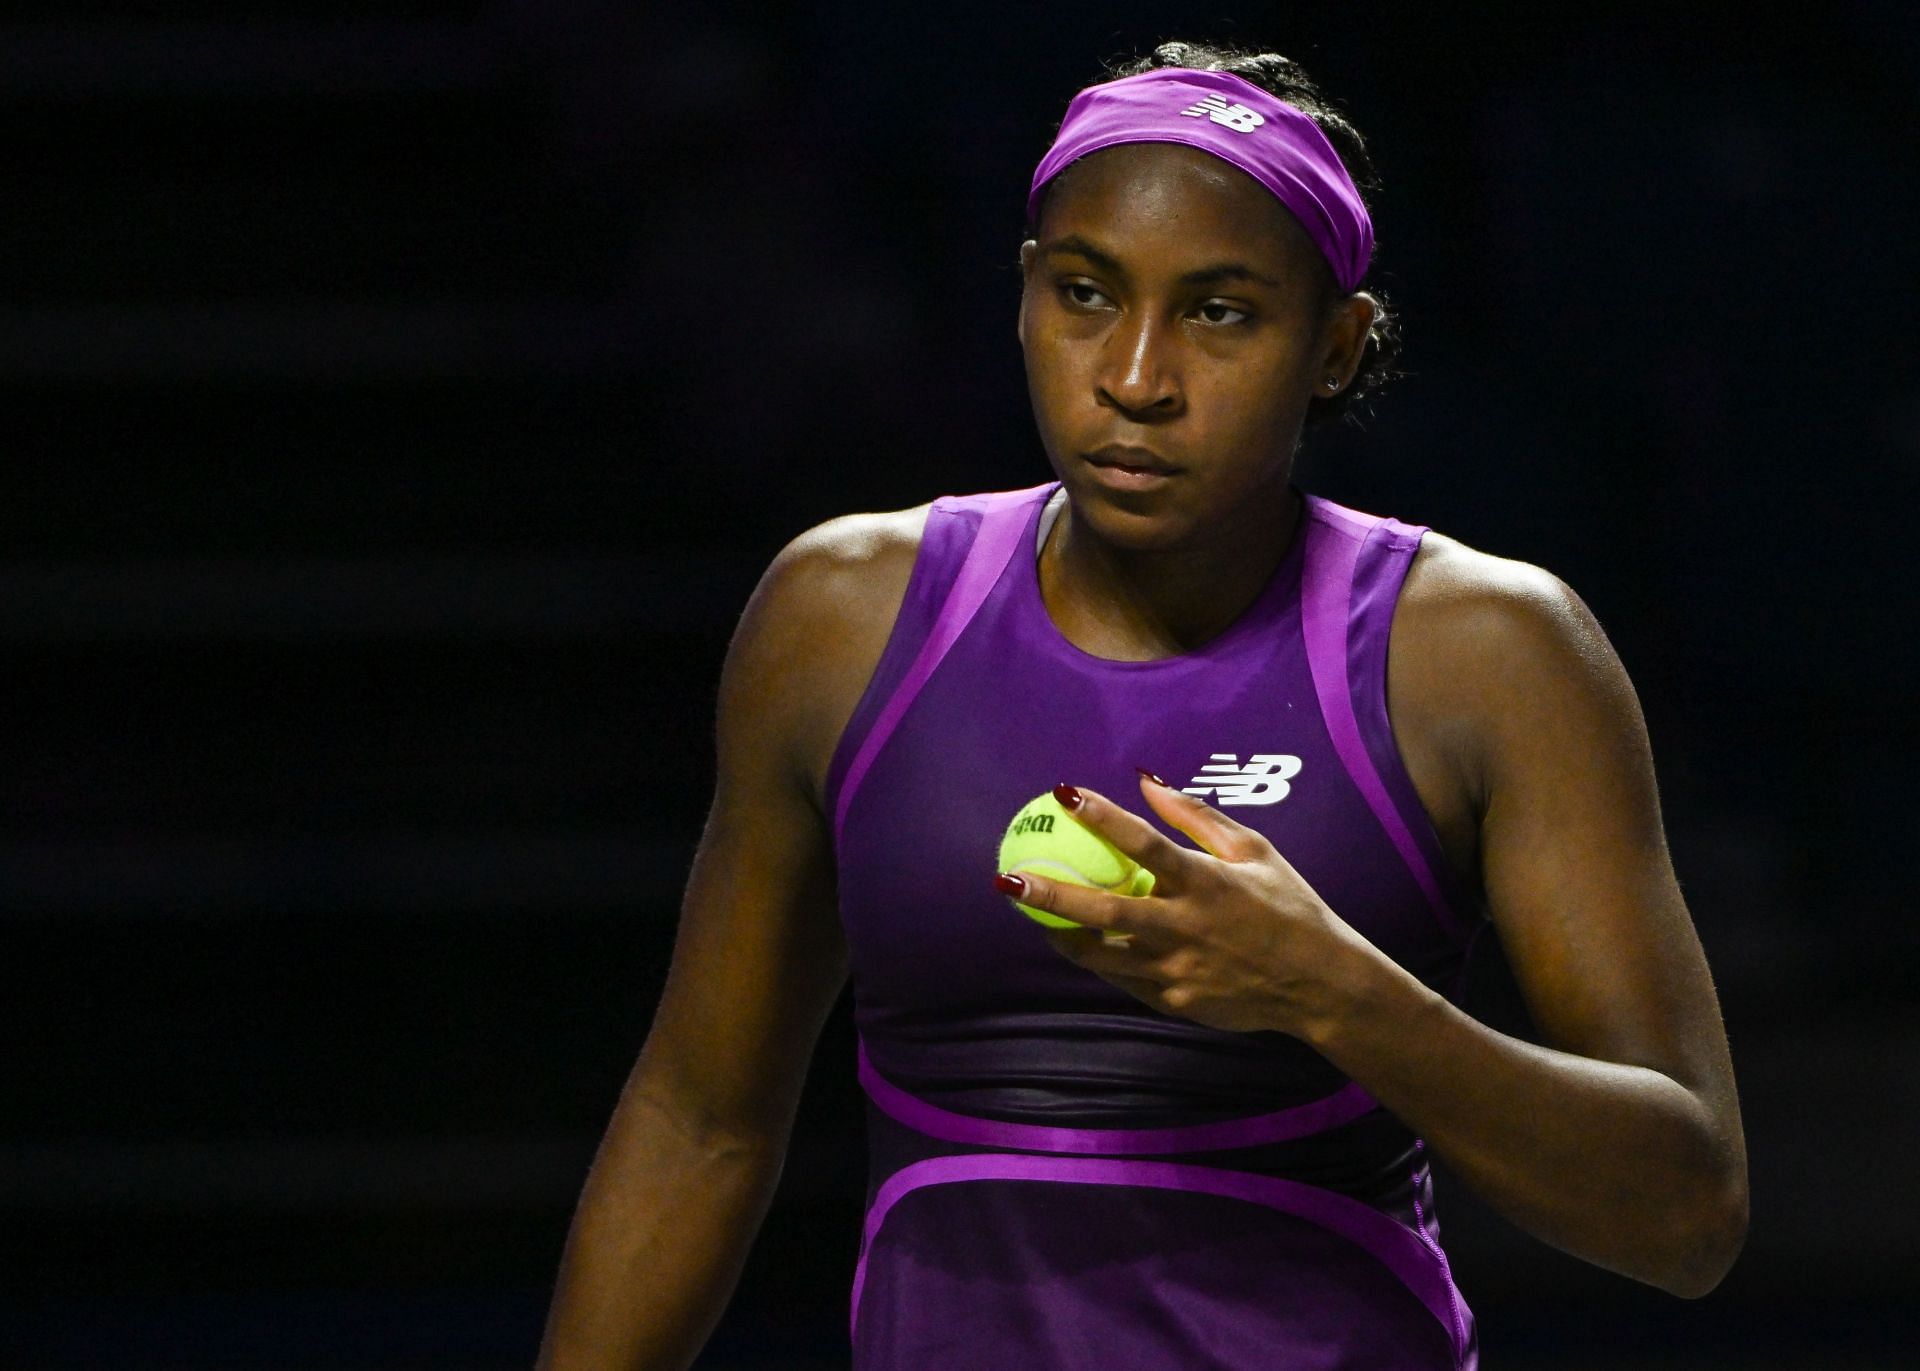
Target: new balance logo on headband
{"x":1236,"y":116}
{"x":1262,"y":781}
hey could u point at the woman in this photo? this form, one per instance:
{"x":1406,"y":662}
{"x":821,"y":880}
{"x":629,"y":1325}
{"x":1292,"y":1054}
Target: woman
{"x":1191,"y":1131}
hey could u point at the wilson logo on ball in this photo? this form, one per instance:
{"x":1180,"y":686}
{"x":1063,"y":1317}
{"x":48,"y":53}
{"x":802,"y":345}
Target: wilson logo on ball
{"x":1047,"y":842}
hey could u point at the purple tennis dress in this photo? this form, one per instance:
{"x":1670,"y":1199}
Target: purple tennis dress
{"x":1063,"y":1178}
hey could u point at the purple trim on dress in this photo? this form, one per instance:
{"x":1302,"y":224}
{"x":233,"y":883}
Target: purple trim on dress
{"x":1002,"y":524}
{"x":1343,"y":1106}
{"x":1429,"y":1234}
{"x":1326,"y":590}
{"x":1402,"y":1251}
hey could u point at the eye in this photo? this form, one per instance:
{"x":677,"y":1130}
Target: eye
{"x":1084,"y":295}
{"x":1220,"y":312}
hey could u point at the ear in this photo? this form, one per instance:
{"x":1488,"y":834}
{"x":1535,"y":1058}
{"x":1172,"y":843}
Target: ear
{"x":1347,"y":326}
{"x":1028,"y":250}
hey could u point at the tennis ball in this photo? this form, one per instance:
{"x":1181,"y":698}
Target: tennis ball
{"x":1048,"y":841}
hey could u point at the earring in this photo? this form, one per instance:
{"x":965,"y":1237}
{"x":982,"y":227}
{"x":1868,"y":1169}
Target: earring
{"x":1333,"y":383}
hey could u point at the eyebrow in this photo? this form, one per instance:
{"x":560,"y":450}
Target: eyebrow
{"x":1202,"y":276}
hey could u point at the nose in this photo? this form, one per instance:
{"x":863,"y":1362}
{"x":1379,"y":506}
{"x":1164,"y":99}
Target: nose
{"x":1139,"y":374}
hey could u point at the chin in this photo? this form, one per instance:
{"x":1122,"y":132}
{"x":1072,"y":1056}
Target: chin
{"x":1138,"y":522}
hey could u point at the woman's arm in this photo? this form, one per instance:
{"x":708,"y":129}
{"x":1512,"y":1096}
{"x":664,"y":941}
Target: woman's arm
{"x":687,"y":1168}
{"x":1619,"y":1140}
{"x":1633,"y":1087}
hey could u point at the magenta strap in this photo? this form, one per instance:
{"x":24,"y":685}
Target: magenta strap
{"x":1326,"y":590}
{"x":1002,"y":523}
{"x":1343,"y":1106}
{"x":1397,"y":1247}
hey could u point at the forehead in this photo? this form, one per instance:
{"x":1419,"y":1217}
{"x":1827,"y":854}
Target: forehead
{"x":1167,"y":197}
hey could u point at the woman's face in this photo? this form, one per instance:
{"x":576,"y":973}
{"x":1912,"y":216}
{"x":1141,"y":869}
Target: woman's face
{"x":1176,"y":320}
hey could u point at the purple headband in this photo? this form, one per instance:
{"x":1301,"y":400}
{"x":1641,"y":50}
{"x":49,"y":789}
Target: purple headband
{"x":1236,"y":121}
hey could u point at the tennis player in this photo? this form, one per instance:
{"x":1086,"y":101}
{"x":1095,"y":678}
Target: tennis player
{"x":1193,"y":1132}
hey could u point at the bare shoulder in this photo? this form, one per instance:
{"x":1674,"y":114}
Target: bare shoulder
{"x":856,"y":554}
{"x":1471,"y":627}
{"x":1478,"y":603}
{"x":1494,"y":661}
{"x":815,"y":628}
{"x":837,"y":584}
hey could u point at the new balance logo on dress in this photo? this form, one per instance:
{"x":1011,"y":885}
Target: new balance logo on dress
{"x":1235,"y":116}
{"x":1261,"y":781}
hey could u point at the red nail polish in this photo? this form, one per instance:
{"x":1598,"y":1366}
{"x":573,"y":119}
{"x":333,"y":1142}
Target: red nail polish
{"x":1069,"y":798}
{"x":1008,"y":884}
{"x":1164,"y":784}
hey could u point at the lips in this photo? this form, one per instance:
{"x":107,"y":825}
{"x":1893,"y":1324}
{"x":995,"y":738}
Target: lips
{"x":1135,"y":459}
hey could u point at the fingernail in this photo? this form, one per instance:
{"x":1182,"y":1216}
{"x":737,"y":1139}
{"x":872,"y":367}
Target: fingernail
{"x":1069,"y":798}
{"x":1008,"y":884}
{"x":1164,"y":784}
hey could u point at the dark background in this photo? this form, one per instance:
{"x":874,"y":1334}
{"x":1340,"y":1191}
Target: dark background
{"x":400,"y":401}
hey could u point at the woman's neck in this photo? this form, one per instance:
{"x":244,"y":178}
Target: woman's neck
{"x":1133,"y":605}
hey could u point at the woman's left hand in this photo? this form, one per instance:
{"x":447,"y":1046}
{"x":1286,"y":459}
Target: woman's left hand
{"x":1232,"y":936}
